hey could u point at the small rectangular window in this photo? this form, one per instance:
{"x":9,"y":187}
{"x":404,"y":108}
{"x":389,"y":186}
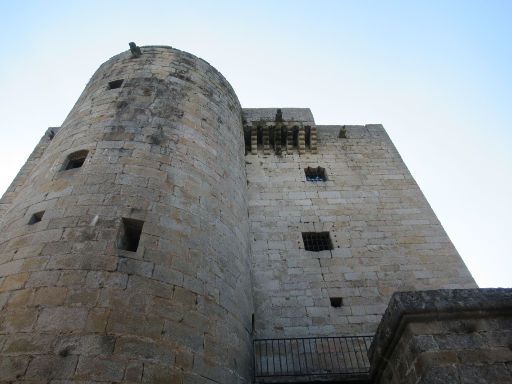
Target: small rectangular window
{"x":336,"y":302}
{"x":316,"y":241}
{"x":36,"y":217}
{"x":75,"y":160}
{"x":129,"y":234}
{"x":315,"y":174}
{"x":115,"y":84}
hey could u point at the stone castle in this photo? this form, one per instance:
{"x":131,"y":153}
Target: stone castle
{"x":165,"y":234}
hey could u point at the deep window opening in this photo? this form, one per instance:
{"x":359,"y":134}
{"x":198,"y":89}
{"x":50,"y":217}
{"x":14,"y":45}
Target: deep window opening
{"x":75,"y":160}
{"x":129,"y":235}
{"x":316,"y":241}
{"x":315,"y":174}
{"x":115,"y":84}
{"x":36,"y":217}
{"x":336,"y":302}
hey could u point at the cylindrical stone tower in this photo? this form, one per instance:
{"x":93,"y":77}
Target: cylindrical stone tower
{"x":124,"y":254}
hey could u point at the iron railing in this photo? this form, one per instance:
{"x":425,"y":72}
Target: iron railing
{"x":312,"y":356}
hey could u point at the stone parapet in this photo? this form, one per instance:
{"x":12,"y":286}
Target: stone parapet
{"x":445,"y":336}
{"x":299,"y":115}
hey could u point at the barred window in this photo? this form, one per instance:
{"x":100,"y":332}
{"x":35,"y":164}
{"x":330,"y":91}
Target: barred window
{"x":316,"y":241}
{"x":315,"y":174}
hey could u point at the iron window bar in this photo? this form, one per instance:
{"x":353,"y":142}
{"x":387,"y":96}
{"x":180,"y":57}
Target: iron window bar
{"x":317,"y":241}
{"x":315,"y":174}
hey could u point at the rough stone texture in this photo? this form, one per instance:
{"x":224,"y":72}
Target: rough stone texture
{"x":385,"y":235}
{"x":25,"y":171}
{"x":254,"y":115}
{"x":167,"y":148}
{"x":445,"y":337}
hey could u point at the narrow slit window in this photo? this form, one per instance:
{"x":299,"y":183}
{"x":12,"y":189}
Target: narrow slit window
{"x":316,"y":241}
{"x":75,"y":160}
{"x":129,"y":236}
{"x":336,"y":302}
{"x":315,"y":174}
{"x":36,"y":217}
{"x":115,"y":84}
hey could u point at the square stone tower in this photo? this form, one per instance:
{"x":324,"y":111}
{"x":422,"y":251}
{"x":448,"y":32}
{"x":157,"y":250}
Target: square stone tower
{"x":337,"y":225}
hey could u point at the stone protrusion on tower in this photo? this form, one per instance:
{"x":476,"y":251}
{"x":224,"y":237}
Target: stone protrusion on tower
{"x":254,"y":140}
{"x":280,"y":130}
{"x":289,"y":140}
{"x":302,"y":140}
{"x":266,"y":140}
{"x":124,"y":253}
{"x":314,"y":140}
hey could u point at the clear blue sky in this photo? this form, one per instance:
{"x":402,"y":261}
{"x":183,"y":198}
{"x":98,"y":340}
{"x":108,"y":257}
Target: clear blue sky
{"x":437,"y":74}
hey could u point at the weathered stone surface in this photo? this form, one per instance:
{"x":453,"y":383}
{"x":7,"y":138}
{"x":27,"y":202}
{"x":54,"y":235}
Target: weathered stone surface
{"x":164,"y":146}
{"x":161,"y":137}
{"x":52,"y":367}
{"x":386,"y":238}
{"x":445,"y":336}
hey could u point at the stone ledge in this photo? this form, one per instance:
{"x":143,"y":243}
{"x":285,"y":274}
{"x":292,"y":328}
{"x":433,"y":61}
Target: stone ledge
{"x":406,"y":307}
{"x":303,"y":115}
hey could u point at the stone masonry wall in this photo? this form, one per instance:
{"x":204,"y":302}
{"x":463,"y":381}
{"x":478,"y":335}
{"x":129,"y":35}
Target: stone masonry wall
{"x":445,"y":337}
{"x":166,"y":148}
{"x":385,"y":236}
{"x":21,"y":178}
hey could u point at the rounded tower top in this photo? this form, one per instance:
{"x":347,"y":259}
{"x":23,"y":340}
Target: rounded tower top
{"x":133,"y":233}
{"x":155,"y":49}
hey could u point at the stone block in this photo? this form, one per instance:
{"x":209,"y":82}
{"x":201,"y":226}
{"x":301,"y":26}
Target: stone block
{"x":94,"y":369}
{"x":49,"y":296}
{"x":23,"y":344}
{"x":13,"y":282}
{"x":162,"y":374}
{"x":86,"y":345}
{"x":51,"y":367}
{"x":97,"y":319}
{"x":127,"y":323}
{"x":61,"y":319}
{"x":144,"y":350}
{"x":13,"y":367}
{"x":17,"y":320}
{"x":43,"y":278}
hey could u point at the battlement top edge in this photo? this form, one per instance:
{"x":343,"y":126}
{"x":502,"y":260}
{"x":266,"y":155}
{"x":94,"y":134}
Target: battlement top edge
{"x":303,"y":115}
{"x":145,"y":48}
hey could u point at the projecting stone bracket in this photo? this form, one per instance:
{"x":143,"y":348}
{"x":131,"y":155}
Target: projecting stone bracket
{"x":281,"y":138}
{"x":135,"y":50}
